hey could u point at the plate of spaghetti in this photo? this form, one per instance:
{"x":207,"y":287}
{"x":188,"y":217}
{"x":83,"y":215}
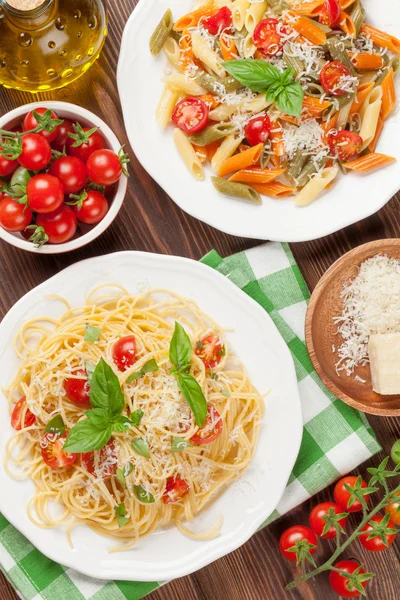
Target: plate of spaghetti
{"x":278,"y":115}
{"x":149,"y":425}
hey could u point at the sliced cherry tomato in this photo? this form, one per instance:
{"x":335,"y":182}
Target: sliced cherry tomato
{"x":332,"y":77}
{"x":72,"y":173}
{"x":104,"y":167}
{"x":267,"y":36}
{"x":14,"y":216}
{"x":78,"y":389}
{"x":340,"y":584}
{"x":59,"y":226}
{"x":257,"y":130}
{"x":175,"y":489}
{"x":342,"y":496}
{"x":63,"y":140}
{"x":102,"y":463}
{"x":53,"y":453}
{"x":317,"y":522}
{"x":93,"y":209}
{"x":330,"y":13}
{"x":211,"y":350}
{"x":124,"y":352}
{"x":211,"y":429}
{"x":31,"y":123}
{"x":393,"y":509}
{"x":7,"y":167}
{"x":36,"y":152}
{"x":191,"y":115}
{"x":294,"y":535}
{"x":220,"y":20}
{"x":45,"y":193}
{"x":96,"y":141}
{"x":345,"y":145}
{"x":376,"y":544}
{"x":20,"y":409}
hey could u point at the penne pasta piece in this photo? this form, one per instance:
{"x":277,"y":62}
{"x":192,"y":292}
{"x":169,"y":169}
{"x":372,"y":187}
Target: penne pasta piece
{"x":212,"y":148}
{"x":315,"y":186}
{"x":201,"y":152}
{"x":211,"y":100}
{"x":381,"y":39}
{"x":311,"y":168}
{"x":237,"y":190}
{"x":388,"y":94}
{"x":307,"y":28}
{"x":338,"y":51}
{"x":230,"y":144}
{"x":188,"y":154}
{"x":313,"y":107}
{"x":363,"y":91}
{"x":161,"y":33}
{"x":346,"y":24}
{"x":378,"y":132}
{"x":276,"y":137}
{"x":367,"y":60}
{"x":256,"y":175}
{"x":369,"y":162}
{"x":344,"y":115}
{"x":357,"y":15}
{"x":308,"y":8}
{"x":296,"y":165}
{"x":369,"y":113}
{"x":248,"y":48}
{"x":192,"y":19}
{"x":173,"y":52}
{"x":241,"y":161}
{"x":181,"y":83}
{"x":346,"y":3}
{"x":239,"y":13}
{"x":254,"y":14}
{"x":212,"y":133}
{"x":274,"y":189}
{"x":228,"y":48}
{"x":166,"y":105}
{"x":207,"y":55}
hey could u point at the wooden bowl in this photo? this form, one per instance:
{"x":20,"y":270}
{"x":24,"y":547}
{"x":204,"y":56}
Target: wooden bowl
{"x":321,"y":332}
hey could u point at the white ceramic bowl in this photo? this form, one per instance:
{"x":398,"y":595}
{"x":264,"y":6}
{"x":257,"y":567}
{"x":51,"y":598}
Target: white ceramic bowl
{"x":88,"y":119}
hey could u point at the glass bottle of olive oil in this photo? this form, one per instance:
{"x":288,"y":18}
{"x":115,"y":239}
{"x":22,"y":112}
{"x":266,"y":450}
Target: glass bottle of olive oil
{"x":47,"y":44}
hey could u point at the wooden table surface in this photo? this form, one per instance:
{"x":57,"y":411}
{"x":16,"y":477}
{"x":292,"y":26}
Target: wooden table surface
{"x":150,"y":221}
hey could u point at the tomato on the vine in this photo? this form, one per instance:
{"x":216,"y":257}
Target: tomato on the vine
{"x":21,"y":416}
{"x":393,"y":509}
{"x":297,"y":535}
{"x":59,"y":226}
{"x":77,"y":390}
{"x":124,"y":352}
{"x":318,"y":523}
{"x":95,"y":141}
{"x":175,"y":489}
{"x":13,"y":216}
{"x":93,"y":208}
{"x":63,"y":140}
{"x":376,"y":544}
{"x":72,"y":173}
{"x":211,"y":429}
{"x":7,"y":167}
{"x":45,"y":193}
{"x":104,"y":167}
{"x":342,"y":496}
{"x":340,"y":583}
{"x":36,"y":152}
{"x":30,"y":123}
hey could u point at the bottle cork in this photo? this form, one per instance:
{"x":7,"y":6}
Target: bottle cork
{"x":25,"y":4}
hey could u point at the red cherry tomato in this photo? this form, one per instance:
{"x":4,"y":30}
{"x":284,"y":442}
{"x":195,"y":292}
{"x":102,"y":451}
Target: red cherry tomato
{"x":60,"y":226}
{"x":96,"y":142}
{"x":191,"y":115}
{"x":393,"y":509}
{"x":330,"y":13}
{"x":93,"y":209}
{"x":36,"y":152}
{"x":20,"y":412}
{"x":340,"y":584}
{"x":317,"y":522}
{"x":267,"y":36}
{"x":345,"y":145}
{"x":102,"y":463}
{"x":72,"y":173}
{"x":175,"y":489}
{"x":14,"y":216}
{"x":294,"y":534}
{"x":53,"y":453}
{"x":124,"y":352}
{"x":63,"y":140}
{"x":332,"y":77}
{"x":104,"y":167}
{"x":211,"y":429}
{"x":45,"y":193}
{"x":211,"y":350}
{"x":31,"y":123}
{"x":342,"y":496}
{"x":220,"y":20}
{"x":77,"y":390}
{"x":7,"y":167}
{"x":257,"y":130}
{"x":376,"y":544}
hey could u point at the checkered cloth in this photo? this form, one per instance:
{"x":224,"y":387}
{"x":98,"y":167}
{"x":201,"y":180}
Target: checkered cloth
{"x":336,"y":438}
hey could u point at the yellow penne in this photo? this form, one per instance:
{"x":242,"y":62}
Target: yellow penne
{"x":239,"y":9}
{"x":230,"y":144}
{"x":206,"y":55}
{"x":168,"y":100}
{"x":315,"y":186}
{"x":188,"y":154}
{"x":180,"y":82}
{"x":254,"y":14}
{"x":369,"y":113}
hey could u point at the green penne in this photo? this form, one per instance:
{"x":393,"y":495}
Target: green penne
{"x":237,"y":190}
{"x":296,"y":165}
{"x":216,"y":85}
{"x":161,"y":33}
{"x":313,"y":166}
{"x":265,"y":156}
{"x":212,"y":134}
{"x":292,"y":61}
{"x":338,"y":51}
{"x":357,"y":15}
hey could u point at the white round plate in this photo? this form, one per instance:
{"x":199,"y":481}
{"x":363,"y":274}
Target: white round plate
{"x":246,"y":503}
{"x":352,"y":198}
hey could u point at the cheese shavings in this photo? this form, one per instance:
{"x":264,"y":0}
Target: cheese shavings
{"x":309,"y":136}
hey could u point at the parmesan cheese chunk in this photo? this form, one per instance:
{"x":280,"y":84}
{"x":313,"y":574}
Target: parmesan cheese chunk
{"x":384,"y":356}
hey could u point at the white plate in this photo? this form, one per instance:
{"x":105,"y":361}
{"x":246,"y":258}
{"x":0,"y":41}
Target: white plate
{"x":245,"y":504}
{"x":352,"y":198}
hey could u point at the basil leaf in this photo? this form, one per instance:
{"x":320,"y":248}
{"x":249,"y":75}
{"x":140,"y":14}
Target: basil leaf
{"x":124,"y":472}
{"x":56,"y":425}
{"x":142,"y":495}
{"x":98,"y":417}
{"x":194,"y":396}
{"x":180,"y":348}
{"x":121,"y":424}
{"x":141,"y":447}
{"x":92,"y":333}
{"x":105,"y":390}
{"x":290,"y":100}
{"x":136,"y":417}
{"x":178,"y":444}
{"x":258,"y":75}
{"x":287,"y":76}
{"x":120,"y":513}
{"x":150,"y":367}
{"x":89,"y":368}
{"x":84,"y":437}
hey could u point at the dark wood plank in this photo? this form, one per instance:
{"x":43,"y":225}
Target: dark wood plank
{"x":150,"y":221}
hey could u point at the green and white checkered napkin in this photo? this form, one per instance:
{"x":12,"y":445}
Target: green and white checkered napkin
{"x":336,"y":438}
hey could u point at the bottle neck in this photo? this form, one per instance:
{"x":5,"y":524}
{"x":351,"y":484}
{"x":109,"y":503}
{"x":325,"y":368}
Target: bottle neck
{"x":31,"y":14}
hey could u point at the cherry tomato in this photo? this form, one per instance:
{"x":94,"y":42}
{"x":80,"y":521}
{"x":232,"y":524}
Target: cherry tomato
{"x":19,"y":410}
{"x":175,"y":489}
{"x":53,"y":453}
{"x":191,"y":115}
{"x":317,"y":522}
{"x":31,"y":123}
{"x":78,"y":389}
{"x":60,"y":226}
{"x":220,"y":20}
{"x":345,"y":145}
{"x":257,"y":130}
{"x":96,"y":142}
{"x":211,"y":429}
{"x":63,"y":140}
{"x":395,"y":452}
{"x":211,"y":350}
{"x":330,"y":13}
{"x":124,"y":352}
{"x":45,"y":193}
{"x":36,"y":152}
{"x":295,"y":534}
{"x":102,"y":463}
{"x":393,"y":509}
{"x":72,"y":173}
{"x":93,"y":209}
{"x":104,"y":167}
{"x":267,"y":36}
{"x":342,"y":496}
{"x":331,"y":77}
{"x":376,"y":544}
{"x":7,"y":167}
{"x":339,"y":583}
{"x":14,"y":216}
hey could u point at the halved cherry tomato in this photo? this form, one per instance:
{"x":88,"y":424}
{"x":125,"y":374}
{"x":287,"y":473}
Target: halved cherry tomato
{"x":14,"y":216}
{"x":72,"y":173}
{"x":211,"y":350}
{"x":175,"y":489}
{"x":317,"y":522}
{"x":53,"y":453}
{"x":95,"y":142}
{"x":93,"y":209}
{"x":339,"y":583}
{"x":104,"y":167}
{"x":7,"y":167}
{"x":345,"y":145}
{"x":330,"y":13}
{"x":101,"y":462}
{"x":16,"y":417}
{"x":45,"y":193}
{"x":219,"y":21}
{"x":191,"y":115}
{"x":78,"y":390}
{"x":393,"y":509}
{"x":376,"y":544}
{"x":332,"y":77}
{"x":31,"y":123}
{"x":296,"y":533}
{"x":342,"y":496}
{"x":36,"y":152}
{"x":267,"y":36}
{"x":211,"y":429}
{"x":257,"y":130}
{"x":124,"y":352}
{"x":60,"y":226}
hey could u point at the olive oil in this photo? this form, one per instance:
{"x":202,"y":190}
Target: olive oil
{"x":48,"y":44}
